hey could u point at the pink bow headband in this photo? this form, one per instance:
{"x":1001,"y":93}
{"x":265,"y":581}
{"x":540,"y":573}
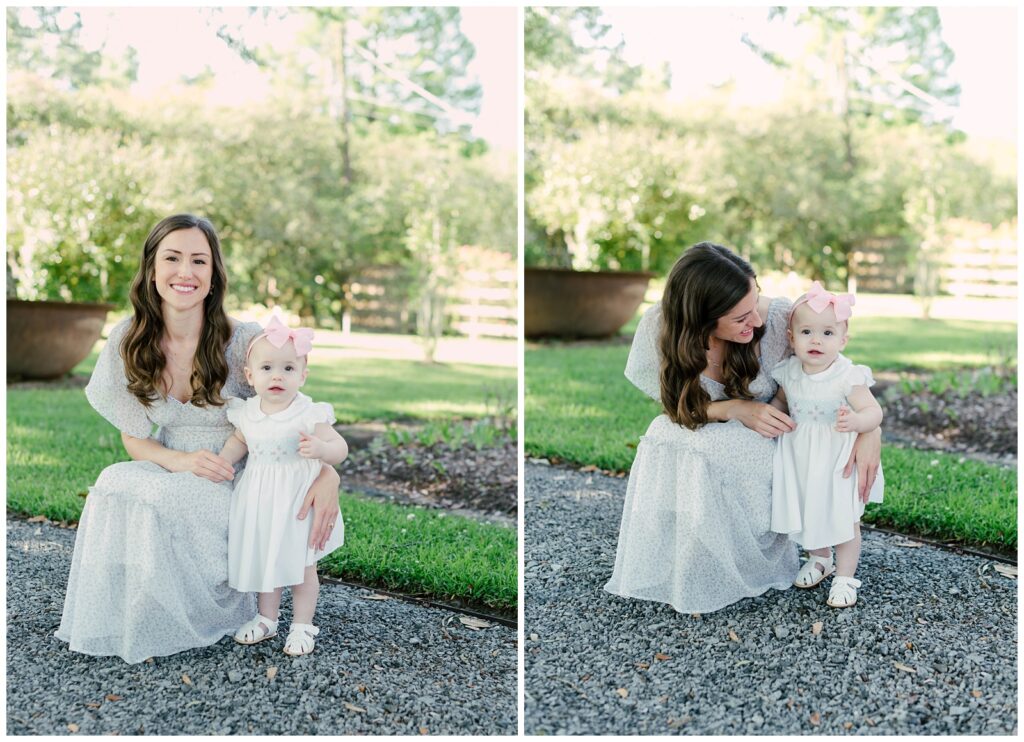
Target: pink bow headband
{"x":818,"y":299}
{"x":278,"y":334}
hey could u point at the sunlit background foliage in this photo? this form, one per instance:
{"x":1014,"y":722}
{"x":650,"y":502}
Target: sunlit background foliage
{"x":618,"y":177}
{"x":349,"y":163}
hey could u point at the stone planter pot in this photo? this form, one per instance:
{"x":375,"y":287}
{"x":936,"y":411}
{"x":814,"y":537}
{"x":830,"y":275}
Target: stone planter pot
{"x":46,"y":339}
{"x":581,"y":304}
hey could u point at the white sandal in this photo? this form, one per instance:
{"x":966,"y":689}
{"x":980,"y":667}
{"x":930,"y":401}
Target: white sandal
{"x":257,"y":630}
{"x":809,"y":575}
{"x":843,"y":592}
{"x":300,"y":639}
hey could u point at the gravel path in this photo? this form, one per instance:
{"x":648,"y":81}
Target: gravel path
{"x":380,"y":667}
{"x":930,"y":648}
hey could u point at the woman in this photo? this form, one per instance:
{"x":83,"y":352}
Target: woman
{"x":695,"y":529}
{"x":149,"y":572}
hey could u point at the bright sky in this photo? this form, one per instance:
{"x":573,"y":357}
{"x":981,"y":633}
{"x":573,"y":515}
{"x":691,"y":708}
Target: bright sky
{"x":704,"y":47}
{"x":159,"y":35}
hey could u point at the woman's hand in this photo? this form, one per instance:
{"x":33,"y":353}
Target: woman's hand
{"x":205,"y":464}
{"x":762,"y":418}
{"x":323,"y":498}
{"x":866,"y":457}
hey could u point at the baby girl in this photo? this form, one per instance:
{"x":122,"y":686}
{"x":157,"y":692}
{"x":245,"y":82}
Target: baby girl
{"x":828,"y":397}
{"x":287,"y":437}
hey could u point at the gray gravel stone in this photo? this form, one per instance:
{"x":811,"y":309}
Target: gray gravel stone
{"x":364,"y":677}
{"x":909,"y":658}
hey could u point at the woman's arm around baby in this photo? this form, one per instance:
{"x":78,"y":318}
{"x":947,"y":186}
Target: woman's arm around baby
{"x":864,"y":420}
{"x":325,"y":444}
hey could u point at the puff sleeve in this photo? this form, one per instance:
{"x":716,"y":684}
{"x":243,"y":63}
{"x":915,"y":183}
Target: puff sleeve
{"x":781,"y":371}
{"x":643,"y":367}
{"x":775,"y":341}
{"x":318,"y":412}
{"x":235,"y":408}
{"x":107,"y":390}
{"x":857,"y":375}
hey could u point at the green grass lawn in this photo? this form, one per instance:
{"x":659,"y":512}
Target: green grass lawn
{"x":368,"y":389}
{"x":888,"y":343}
{"x":426,"y":551}
{"x":57,"y":445}
{"x":944,"y":497}
{"x":580,"y":408}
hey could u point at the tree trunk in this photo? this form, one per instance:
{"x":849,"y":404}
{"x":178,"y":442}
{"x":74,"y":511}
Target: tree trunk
{"x":346,"y":308}
{"x":345,"y":111}
{"x":431,"y":319}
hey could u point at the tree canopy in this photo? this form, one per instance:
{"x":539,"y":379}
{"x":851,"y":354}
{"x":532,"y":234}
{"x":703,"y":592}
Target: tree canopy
{"x":623,"y":179}
{"x":91,"y":169}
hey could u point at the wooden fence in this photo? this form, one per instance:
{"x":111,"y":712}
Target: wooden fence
{"x":975,"y":260}
{"x":482,"y":297}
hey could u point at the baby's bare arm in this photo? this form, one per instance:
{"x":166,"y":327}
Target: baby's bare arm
{"x":865,"y":416}
{"x":779,"y":401}
{"x":325,"y":444}
{"x":234,"y":447}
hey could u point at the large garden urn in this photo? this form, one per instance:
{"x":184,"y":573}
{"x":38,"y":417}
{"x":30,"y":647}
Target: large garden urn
{"x":566,"y":303}
{"x":46,"y":339}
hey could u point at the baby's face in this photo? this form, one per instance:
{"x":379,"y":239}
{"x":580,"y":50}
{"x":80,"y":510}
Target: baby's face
{"x":276,"y":374}
{"x":817,"y":338}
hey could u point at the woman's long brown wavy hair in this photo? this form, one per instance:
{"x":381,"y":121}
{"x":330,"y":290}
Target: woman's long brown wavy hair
{"x":144,"y":360}
{"x":704,"y":284}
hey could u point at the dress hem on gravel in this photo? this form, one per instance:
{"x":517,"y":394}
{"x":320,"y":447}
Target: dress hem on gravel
{"x":782,"y":585}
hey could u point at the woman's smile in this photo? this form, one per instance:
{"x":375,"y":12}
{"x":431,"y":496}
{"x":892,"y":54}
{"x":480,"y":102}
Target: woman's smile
{"x":739,"y":323}
{"x":183,"y":269}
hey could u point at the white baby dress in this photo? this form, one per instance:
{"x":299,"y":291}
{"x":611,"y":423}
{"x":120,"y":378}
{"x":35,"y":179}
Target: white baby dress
{"x":267,"y":544}
{"x":811,"y":500}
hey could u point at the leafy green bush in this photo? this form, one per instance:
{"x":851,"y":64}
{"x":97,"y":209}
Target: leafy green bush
{"x":294,"y":232}
{"x":75,"y":232}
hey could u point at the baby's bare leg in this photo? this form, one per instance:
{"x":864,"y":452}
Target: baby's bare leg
{"x":824,"y":553}
{"x":269,"y":604}
{"x":848,"y":554}
{"x":304,"y":597}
